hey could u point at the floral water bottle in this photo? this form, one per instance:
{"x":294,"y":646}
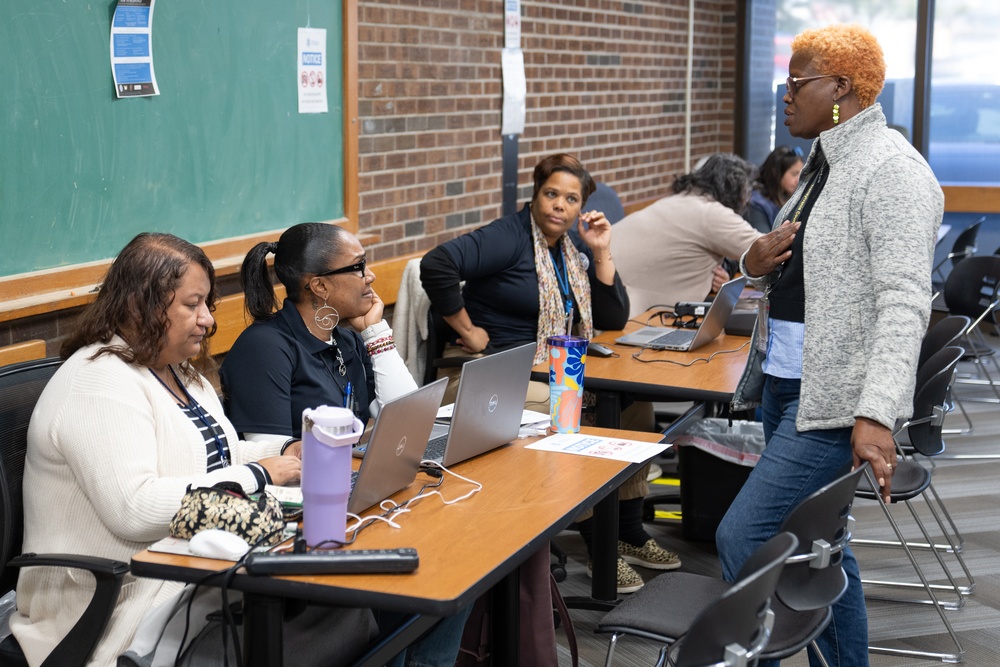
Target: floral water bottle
{"x":327,"y":436}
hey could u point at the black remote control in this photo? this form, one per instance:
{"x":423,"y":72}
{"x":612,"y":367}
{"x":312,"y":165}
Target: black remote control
{"x":349,"y":561}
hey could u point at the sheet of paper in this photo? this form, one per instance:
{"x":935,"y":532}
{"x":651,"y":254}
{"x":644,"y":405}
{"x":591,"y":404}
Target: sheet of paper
{"x":132,"y":49}
{"x":312,"y":70}
{"x":601,"y":447}
{"x":515,"y":91}
{"x":445,"y":413}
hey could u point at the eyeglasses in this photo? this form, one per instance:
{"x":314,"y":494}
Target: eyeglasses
{"x":794,"y":83}
{"x":360,"y":268}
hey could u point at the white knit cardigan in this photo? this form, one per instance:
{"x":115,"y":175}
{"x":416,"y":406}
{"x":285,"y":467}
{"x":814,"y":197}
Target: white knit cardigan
{"x":110,"y":455}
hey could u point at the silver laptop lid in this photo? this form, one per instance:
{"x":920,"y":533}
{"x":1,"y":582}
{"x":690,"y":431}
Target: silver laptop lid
{"x":396,"y":445}
{"x":713,"y":324}
{"x":719,"y":312}
{"x":489,"y":404}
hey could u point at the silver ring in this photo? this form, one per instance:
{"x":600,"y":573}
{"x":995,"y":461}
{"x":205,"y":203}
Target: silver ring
{"x":889,"y":466}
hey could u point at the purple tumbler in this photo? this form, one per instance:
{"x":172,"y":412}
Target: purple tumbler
{"x":327,"y":436}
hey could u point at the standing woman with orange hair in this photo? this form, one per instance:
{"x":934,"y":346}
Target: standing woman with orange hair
{"x":847,"y":276}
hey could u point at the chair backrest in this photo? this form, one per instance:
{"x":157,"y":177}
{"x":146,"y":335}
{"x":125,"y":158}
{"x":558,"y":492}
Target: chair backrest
{"x":971,"y":288}
{"x":438,"y":335}
{"x":941,"y":335}
{"x":20,"y":386}
{"x":605,"y":200}
{"x":814,"y":577}
{"x":931,"y":399}
{"x":737,"y":626}
{"x":965,"y":242}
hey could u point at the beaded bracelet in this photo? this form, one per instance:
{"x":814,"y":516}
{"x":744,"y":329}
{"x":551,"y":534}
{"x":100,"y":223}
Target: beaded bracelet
{"x":380,"y":345}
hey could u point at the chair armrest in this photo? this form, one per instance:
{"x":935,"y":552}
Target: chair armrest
{"x":77,"y":646}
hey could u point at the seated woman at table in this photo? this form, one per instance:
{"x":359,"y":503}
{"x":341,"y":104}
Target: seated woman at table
{"x":304,"y":355}
{"x":675,"y":249}
{"x":524,"y":278}
{"x":120,"y":432}
{"x":777,"y":180}
{"x":308,"y":352}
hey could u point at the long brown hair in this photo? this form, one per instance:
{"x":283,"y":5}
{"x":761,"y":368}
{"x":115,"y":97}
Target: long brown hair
{"x":133,"y":298}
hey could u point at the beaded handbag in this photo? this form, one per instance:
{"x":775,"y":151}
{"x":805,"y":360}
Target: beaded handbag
{"x":225,"y":506}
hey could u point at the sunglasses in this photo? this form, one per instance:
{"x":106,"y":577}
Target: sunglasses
{"x":358,"y":268}
{"x":793,"y":84}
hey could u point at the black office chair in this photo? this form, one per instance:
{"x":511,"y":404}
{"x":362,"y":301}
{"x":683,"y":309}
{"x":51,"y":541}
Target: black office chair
{"x":813,"y":578}
{"x":911,"y":480}
{"x":20,"y":386}
{"x":947,"y":331}
{"x":973,"y":290}
{"x":717,"y":623}
{"x":438,"y":335}
{"x":963,"y":247}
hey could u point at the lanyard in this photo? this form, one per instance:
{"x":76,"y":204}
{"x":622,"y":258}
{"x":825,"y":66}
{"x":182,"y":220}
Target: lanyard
{"x":563,"y":278}
{"x":198,"y":411}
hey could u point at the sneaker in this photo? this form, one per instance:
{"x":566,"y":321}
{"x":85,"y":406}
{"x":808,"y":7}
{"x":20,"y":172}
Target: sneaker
{"x":629,"y":580}
{"x":655,"y":472}
{"x":650,"y":555}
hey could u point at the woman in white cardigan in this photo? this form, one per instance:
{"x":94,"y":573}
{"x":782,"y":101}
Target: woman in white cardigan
{"x":117,"y":436}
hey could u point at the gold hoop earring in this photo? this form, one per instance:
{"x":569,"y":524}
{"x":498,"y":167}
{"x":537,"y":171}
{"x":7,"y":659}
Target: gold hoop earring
{"x":326,"y":317}
{"x":836,"y":113}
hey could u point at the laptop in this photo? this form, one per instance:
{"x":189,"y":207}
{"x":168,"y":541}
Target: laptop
{"x":396,"y":446}
{"x":488,"y":406}
{"x":685,"y":340}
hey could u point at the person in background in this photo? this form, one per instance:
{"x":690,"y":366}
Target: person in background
{"x":779,"y":176}
{"x":309,"y":353}
{"x":120,"y":432}
{"x":524,"y":279}
{"x":673,"y":249}
{"x":847,"y":276}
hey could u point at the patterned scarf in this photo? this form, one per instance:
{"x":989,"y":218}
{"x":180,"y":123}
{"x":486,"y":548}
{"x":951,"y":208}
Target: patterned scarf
{"x":551,"y":307}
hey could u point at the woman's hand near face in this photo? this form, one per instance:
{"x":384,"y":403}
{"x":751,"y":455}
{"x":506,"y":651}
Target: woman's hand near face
{"x":282,"y":469}
{"x":373,"y":316}
{"x":771,"y":250}
{"x":597,"y":236}
{"x":595,"y":230}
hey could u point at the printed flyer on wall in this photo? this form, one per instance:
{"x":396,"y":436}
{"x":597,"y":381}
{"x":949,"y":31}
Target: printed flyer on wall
{"x":132,"y":49}
{"x":312,"y":70}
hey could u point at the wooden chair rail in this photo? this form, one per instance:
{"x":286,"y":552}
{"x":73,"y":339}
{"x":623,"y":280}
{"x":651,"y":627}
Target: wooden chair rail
{"x":29,"y":350}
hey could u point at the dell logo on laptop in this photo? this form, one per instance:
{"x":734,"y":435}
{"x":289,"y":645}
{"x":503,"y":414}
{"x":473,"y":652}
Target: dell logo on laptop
{"x":494,"y":402}
{"x":401,"y":446}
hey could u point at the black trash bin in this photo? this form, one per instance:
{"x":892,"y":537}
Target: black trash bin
{"x":714,"y":459}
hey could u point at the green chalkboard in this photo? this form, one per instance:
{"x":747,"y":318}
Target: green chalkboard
{"x":221,"y":152}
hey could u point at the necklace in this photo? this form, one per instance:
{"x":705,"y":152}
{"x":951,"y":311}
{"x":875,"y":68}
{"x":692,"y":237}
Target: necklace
{"x":198,"y":412}
{"x":341,"y":366}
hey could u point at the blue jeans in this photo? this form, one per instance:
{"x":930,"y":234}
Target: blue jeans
{"x":792,"y":467}
{"x":438,"y":648}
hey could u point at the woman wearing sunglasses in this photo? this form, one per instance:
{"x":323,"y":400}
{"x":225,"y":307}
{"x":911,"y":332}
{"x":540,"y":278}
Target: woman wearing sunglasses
{"x":326,"y":345}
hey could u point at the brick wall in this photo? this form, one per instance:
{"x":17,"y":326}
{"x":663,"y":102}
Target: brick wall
{"x":606,"y":81}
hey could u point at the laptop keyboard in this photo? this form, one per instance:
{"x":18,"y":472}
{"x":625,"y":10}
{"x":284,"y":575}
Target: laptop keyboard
{"x":435,"y":448}
{"x":354,"y":478}
{"x":675,"y":337}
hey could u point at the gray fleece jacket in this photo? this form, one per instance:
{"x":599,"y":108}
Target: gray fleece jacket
{"x":868,"y":251}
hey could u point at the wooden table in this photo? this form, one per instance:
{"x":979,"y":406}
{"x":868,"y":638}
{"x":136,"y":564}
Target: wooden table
{"x":528,"y":497}
{"x":701,"y":381}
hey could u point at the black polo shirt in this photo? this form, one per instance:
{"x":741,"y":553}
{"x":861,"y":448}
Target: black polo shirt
{"x":277,"y":368}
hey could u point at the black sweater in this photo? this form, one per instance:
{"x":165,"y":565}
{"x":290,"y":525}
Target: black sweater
{"x":497,"y":263}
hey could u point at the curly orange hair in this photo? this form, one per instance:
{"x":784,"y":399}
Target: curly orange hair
{"x":846,"y":50}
